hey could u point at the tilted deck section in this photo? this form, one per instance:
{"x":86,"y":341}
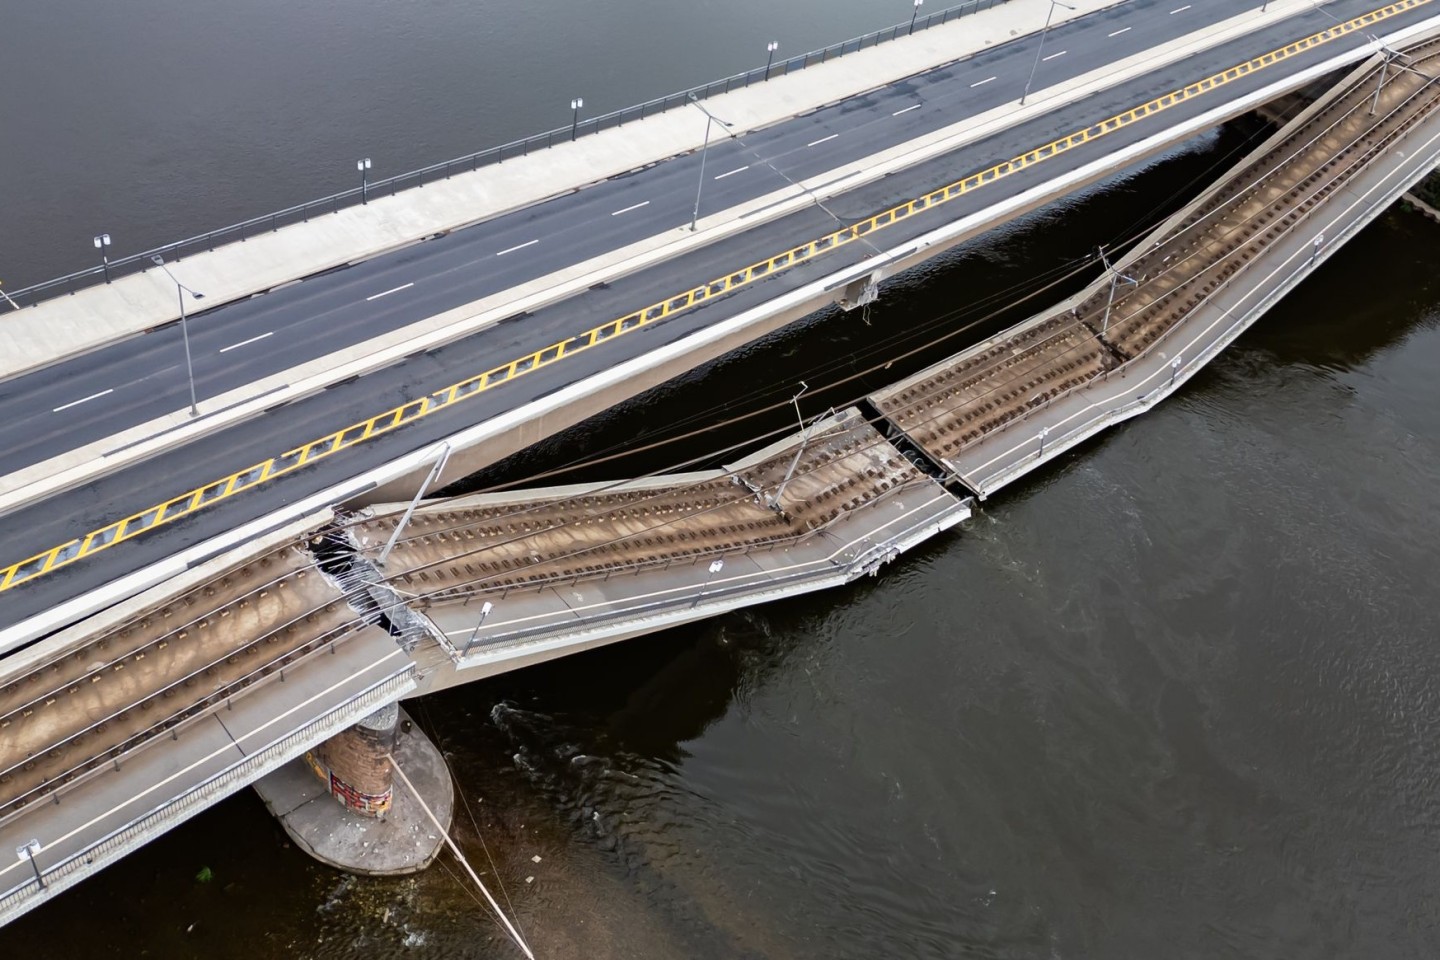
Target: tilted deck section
{"x":571,"y":567}
{"x":1002,"y":408}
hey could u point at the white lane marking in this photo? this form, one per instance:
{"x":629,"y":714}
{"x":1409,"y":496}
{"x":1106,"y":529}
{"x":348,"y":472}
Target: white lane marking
{"x":733,"y":172}
{"x":1054,"y":55}
{"x":1121,"y":30}
{"x":637,"y":206}
{"x":386,"y":293}
{"x":816,"y":143}
{"x":982,"y":82}
{"x":76,"y":403}
{"x":521,"y":247}
{"x":246,"y":343}
{"x":906,"y":110}
{"x":1180,"y":10}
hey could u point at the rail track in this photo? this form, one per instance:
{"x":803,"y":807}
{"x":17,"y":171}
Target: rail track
{"x":969,"y":398}
{"x":793,"y":491}
{"x":74,"y":713}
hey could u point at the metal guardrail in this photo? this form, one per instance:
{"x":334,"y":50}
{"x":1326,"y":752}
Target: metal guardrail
{"x":301,"y":213}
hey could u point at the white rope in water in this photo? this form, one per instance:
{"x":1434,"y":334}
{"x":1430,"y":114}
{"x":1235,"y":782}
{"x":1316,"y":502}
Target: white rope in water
{"x":509,"y":927}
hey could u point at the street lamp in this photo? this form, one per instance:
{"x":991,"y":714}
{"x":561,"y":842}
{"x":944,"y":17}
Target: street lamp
{"x":770,"y":49}
{"x":364,"y":167}
{"x":575,"y":106}
{"x":705,"y":149}
{"x":485,"y":609}
{"x":1041,"y":49}
{"x":715,"y":567}
{"x":915,"y":14}
{"x":180,"y":291}
{"x":102,"y":242}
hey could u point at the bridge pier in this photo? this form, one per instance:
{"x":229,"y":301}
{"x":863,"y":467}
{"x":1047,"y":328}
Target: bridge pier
{"x":340,"y":803}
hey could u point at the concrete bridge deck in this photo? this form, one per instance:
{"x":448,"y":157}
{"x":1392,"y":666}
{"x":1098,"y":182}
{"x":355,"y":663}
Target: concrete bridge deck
{"x":573,"y":568}
{"x":722,"y":315}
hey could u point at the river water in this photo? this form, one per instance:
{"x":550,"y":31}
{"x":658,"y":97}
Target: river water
{"x":1174,"y":696}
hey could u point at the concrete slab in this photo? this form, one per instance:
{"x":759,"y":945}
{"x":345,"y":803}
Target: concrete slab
{"x":404,"y":841}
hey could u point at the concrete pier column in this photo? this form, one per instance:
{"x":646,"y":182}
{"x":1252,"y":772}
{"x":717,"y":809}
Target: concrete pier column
{"x":383,"y":828}
{"x":355,"y":766}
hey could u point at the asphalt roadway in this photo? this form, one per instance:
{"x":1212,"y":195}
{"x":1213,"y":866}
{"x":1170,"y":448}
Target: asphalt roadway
{"x":318,"y":314}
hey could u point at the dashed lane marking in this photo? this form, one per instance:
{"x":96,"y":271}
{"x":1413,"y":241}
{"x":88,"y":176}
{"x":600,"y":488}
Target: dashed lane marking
{"x":246,"y":343}
{"x":386,"y":293}
{"x":522,"y":246}
{"x":76,"y":403}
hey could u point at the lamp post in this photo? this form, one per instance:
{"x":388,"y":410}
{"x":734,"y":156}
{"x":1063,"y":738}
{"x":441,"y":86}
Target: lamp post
{"x":485,"y":609}
{"x":715,"y":567}
{"x":102,"y":243}
{"x":1041,"y":49}
{"x":180,"y":291}
{"x":364,"y":167}
{"x":770,"y":49}
{"x":27,"y":851}
{"x":705,"y":149}
{"x":915,"y":14}
{"x":575,"y":106}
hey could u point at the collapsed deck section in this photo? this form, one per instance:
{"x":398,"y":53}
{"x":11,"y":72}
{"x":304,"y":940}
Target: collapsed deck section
{"x":1001,"y":408}
{"x":588,"y":564}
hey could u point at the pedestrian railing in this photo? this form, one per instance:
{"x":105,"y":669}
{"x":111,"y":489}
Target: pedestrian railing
{"x":301,"y":213}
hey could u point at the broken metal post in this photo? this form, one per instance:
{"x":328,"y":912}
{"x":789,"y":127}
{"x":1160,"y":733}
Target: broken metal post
{"x":434,"y":475}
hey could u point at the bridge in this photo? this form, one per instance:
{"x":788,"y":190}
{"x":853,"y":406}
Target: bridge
{"x":209,"y":665}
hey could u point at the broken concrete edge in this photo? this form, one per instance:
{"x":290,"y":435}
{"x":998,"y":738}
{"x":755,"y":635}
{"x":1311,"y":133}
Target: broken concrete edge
{"x":388,"y":846}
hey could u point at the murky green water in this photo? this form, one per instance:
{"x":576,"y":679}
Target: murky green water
{"x":1173,"y":697}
